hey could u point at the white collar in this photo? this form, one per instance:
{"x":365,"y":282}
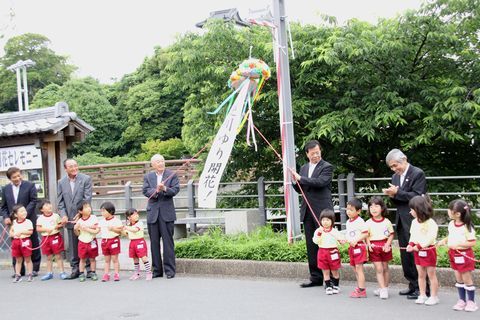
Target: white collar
{"x":406,"y":170}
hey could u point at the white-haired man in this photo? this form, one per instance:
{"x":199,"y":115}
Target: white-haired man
{"x":407,"y":182}
{"x":160,"y":186}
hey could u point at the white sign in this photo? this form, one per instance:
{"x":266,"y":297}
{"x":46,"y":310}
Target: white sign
{"x":220,"y":153}
{"x":22,"y":157}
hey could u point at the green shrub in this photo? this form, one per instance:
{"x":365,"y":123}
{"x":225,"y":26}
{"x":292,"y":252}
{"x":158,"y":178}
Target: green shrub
{"x":92,"y":158}
{"x":266,"y":245}
{"x":169,"y":149}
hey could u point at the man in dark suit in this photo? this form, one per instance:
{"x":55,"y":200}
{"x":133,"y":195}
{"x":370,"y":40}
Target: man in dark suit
{"x":407,"y":182}
{"x":315,"y":178}
{"x":160,"y":186}
{"x":72,"y":189}
{"x":24,"y":193}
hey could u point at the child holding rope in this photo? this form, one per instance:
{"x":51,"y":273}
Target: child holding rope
{"x":423,"y":234}
{"x":49,"y":225}
{"x":21,"y":230}
{"x":327,"y":238}
{"x":86,"y":228}
{"x":110,"y":228}
{"x":460,"y":241}
{"x":356,"y":233}
{"x":379,"y":240}
{"x":138,"y":245}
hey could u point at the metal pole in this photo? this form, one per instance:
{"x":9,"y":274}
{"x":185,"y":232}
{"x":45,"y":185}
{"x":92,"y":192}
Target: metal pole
{"x":286,"y":120}
{"x":19,"y":89}
{"x":191,"y":204}
{"x":342,"y":200}
{"x":261,"y":199}
{"x":25,"y":87}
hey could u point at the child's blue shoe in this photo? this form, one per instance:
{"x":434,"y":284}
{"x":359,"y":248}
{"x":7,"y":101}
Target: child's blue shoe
{"x":63,"y":275}
{"x":48,"y":276}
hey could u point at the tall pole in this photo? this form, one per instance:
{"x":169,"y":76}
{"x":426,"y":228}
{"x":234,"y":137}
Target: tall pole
{"x":286,"y":120}
{"x":19,"y":89}
{"x":25,"y":87}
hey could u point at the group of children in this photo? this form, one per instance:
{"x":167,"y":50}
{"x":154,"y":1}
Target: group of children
{"x":87,"y":226}
{"x":372,"y":240}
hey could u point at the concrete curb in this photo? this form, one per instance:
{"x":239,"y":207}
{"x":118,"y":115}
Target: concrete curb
{"x":295,"y":270}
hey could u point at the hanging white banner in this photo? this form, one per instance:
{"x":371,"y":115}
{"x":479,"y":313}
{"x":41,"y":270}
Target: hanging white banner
{"x":220,"y":152}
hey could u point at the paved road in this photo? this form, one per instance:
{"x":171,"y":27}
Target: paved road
{"x":189,"y":297}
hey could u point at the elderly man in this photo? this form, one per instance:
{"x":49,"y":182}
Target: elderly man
{"x":407,"y":182}
{"x":72,"y":189}
{"x":160,"y":186}
{"x":24,"y":193}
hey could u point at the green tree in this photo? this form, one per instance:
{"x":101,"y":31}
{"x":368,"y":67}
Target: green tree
{"x":50,"y":68}
{"x":88,"y":99}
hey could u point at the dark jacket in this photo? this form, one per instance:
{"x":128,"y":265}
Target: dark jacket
{"x":160,"y":203}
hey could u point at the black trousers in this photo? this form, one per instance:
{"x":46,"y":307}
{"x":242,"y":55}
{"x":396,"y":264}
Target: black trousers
{"x":72,"y":252}
{"x":36,"y":254}
{"x":309,"y":226}
{"x":408,"y":263}
{"x":163,"y":230}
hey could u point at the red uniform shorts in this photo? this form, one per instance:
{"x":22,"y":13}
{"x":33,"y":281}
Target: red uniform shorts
{"x":88,"y":250}
{"x":21,"y":247}
{"x":328,"y":259}
{"x":137,"y":248}
{"x":52,"y":244}
{"x":111,"y":247}
{"x":426,"y":258}
{"x":357,"y":254}
{"x":459,"y":262}
{"x":377,"y":254}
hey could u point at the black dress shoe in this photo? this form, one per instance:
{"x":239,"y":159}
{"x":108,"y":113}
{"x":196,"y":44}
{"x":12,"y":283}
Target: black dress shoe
{"x":406,"y":292}
{"x":73,"y":275}
{"x":310,"y":284}
{"x":170,"y":276}
{"x":34,"y":273}
{"x":414,"y":295}
{"x":157,"y":275}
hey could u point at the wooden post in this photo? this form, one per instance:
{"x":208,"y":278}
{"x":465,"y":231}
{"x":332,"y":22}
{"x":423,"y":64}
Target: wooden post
{"x":52,"y":172}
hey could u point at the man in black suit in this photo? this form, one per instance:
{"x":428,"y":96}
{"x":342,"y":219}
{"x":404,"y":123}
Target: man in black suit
{"x":315,"y":178}
{"x":407,"y":182}
{"x":160,"y":186}
{"x":24,"y":193}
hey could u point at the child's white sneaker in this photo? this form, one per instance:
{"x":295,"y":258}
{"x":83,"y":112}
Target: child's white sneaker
{"x":383,"y":293}
{"x":376,"y":292}
{"x":421,"y":299}
{"x":336,"y":289}
{"x":432,"y":301}
{"x":471,"y":306}
{"x":329,"y":290}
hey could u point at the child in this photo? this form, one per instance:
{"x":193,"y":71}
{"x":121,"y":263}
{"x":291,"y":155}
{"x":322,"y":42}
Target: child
{"x":21,"y":230}
{"x":461,"y":238}
{"x":379,"y":240}
{"x":356,"y":233}
{"x":138,"y":246}
{"x":110,"y":227}
{"x":423,"y":234}
{"x":86,"y":228}
{"x":49,"y":225}
{"x":328,"y":257}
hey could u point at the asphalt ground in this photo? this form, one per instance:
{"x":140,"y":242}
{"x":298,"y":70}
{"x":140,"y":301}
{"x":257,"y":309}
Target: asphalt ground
{"x":206,"y":297}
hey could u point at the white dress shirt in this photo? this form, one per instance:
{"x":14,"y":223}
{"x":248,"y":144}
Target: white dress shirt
{"x":16,"y":190}
{"x":311,"y":168}
{"x":404,"y":174}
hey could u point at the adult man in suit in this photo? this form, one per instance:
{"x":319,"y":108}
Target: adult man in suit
{"x":160,"y":186}
{"x":24,"y":193}
{"x":407,"y":182}
{"x":315,"y":179}
{"x":72,"y":189}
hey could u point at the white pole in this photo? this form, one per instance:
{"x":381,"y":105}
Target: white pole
{"x":286,"y":121}
{"x":19,"y":89}
{"x":25,"y":87}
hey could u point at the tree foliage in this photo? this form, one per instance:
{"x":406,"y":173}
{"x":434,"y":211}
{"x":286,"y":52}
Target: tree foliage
{"x":49,"y":68}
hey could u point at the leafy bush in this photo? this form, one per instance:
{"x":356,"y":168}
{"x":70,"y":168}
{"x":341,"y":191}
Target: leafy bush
{"x":170,"y":149}
{"x":92,"y":158}
{"x":266,"y":245}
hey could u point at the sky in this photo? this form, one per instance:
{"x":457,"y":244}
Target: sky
{"x":107,"y":39}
